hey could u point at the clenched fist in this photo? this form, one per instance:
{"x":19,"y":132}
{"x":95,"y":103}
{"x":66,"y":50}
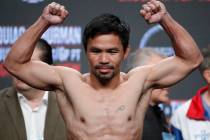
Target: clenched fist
{"x":153,"y":11}
{"x":54,"y":13}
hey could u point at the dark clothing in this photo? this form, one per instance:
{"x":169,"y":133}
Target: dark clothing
{"x":12,"y":126}
{"x":154,"y":124}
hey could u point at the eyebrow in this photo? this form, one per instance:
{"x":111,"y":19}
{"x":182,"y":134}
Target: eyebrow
{"x":113,"y":47}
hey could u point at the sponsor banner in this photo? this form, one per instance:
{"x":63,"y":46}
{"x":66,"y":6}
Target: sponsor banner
{"x":55,"y":35}
{"x":144,"y":1}
{"x":65,"y":42}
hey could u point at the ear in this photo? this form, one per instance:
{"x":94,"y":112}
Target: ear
{"x":206,"y":75}
{"x":127,"y":51}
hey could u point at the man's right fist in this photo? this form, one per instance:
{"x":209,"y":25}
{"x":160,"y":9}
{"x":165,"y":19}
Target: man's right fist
{"x":54,"y":13}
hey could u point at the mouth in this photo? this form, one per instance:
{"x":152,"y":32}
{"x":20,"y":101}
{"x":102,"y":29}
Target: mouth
{"x":104,"y":69}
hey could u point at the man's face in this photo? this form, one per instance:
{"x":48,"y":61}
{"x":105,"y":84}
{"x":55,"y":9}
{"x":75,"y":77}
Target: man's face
{"x":18,"y":84}
{"x":105,"y":54}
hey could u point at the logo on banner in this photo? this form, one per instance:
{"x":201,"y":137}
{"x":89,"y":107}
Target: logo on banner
{"x":32,"y":1}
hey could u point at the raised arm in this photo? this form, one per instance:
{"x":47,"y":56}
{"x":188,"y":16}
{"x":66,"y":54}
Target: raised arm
{"x":187,"y":54}
{"x":19,"y":63}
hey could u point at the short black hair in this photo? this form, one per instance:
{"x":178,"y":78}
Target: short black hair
{"x":107,"y":24}
{"x":206,"y":61}
{"x":46,"y":50}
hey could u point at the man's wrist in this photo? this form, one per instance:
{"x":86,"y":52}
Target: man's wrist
{"x":166,"y":16}
{"x":42,"y":20}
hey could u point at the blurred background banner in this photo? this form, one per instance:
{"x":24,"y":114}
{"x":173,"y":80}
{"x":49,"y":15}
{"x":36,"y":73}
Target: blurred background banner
{"x":17,"y":15}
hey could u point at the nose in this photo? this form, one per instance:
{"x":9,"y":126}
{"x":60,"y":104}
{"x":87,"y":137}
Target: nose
{"x":104,"y":59}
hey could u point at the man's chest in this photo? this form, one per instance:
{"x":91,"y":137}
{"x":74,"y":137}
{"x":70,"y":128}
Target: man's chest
{"x":116,"y":118}
{"x":108,"y":108}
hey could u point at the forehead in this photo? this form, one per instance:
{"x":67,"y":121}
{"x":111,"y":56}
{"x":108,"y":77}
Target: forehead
{"x":105,"y":41}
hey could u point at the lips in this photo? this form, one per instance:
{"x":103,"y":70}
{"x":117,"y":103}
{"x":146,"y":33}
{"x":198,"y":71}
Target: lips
{"x":104,"y":69}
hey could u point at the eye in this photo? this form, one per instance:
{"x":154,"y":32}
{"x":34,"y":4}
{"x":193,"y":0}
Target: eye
{"x":95,"y":50}
{"x":113,"y":51}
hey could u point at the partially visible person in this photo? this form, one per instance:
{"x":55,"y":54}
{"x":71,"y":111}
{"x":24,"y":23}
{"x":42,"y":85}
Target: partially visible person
{"x":191,"y":121}
{"x":28,"y":113}
{"x":155,"y":123}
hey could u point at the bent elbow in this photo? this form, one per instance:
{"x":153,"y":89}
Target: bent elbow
{"x":9,"y":66}
{"x":199,"y":59}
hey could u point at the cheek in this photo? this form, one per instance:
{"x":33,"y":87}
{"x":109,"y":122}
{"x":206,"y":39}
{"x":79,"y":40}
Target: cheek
{"x":117,"y":60}
{"x":91,"y":64}
{"x":92,"y":59}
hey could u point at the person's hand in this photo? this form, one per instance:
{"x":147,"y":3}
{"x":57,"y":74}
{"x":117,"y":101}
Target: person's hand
{"x":153,"y":11}
{"x":54,"y":13}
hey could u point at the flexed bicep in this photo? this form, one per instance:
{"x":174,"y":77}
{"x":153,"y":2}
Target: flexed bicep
{"x":168,"y":72}
{"x":38,"y":75}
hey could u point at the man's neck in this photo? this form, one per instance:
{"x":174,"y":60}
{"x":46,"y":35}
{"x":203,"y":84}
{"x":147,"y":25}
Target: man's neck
{"x":109,"y":84}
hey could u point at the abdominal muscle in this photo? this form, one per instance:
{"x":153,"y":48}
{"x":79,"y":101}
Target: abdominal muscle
{"x":104,"y":130}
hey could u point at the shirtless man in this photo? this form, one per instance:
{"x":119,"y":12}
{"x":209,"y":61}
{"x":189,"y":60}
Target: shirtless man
{"x":104,"y":104}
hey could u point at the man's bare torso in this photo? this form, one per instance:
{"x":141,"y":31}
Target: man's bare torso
{"x":103,"y":114}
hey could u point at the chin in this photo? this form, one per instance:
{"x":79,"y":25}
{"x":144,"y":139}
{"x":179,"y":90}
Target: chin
{"x":21,"y":86}
{"x":106,"y":77}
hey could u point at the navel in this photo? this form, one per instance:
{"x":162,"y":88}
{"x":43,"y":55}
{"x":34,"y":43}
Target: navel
{"x":129,"y":118}
{"x":82,"y":119}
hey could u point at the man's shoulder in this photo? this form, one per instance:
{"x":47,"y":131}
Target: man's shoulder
{"x":67,"y":72}
{"x":64,"y":69}
{"x":140,"y":69}
{"x":139,"y":73}
{"x":6,"y":92}
{"x":6,"y":95}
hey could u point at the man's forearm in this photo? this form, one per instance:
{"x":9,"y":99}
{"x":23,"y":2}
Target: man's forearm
{"x":184,"y":45}
{"x":23,"y":48}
